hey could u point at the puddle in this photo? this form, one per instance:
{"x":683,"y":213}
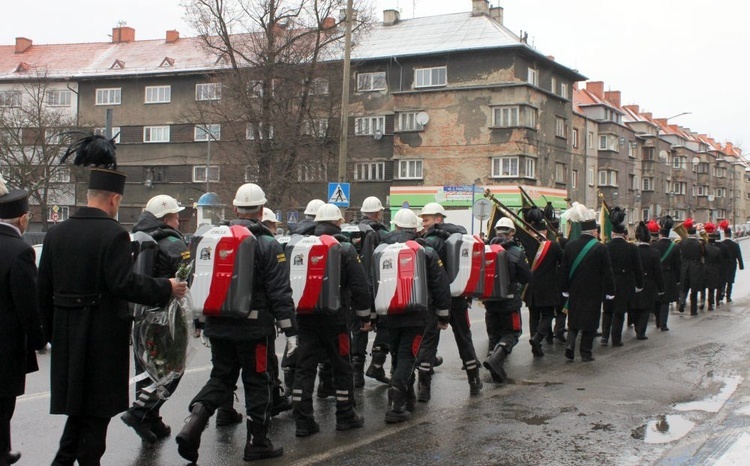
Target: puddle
{"x":604,"y":427}
{"x":535,"y":420}
{"x":714,"y":403}
{"x":663,"y":429}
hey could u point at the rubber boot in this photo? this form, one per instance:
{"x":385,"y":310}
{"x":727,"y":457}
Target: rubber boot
{"x":475,"y":383}
{"x":411,"y":398}
{"x":423,"y":386}
{"x":536,"y":345}
{"x":288,"y":381}
{"x":396,"y":407}
{"x":325,"y":381}
{"x":281,"y":402}
{"x":494,"y":364}
{"x":227,"y":416}
{"x":258,"y":445}
{"x":189,"y":438}
{"x":358,"y":371}
{"x":375,"y":369}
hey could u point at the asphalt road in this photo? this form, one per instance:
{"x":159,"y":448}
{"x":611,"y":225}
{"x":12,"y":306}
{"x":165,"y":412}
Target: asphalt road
{"x":679,"y":397}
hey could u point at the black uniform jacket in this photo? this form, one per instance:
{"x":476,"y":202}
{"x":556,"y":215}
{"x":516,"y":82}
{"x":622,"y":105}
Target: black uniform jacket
{"x":671,"y":268}
{"x":693,"y":257}
{"x":591,"y":282}
{"x":653,"y":280}
{"x":85,"y":282}
{"x":173,"y":250}
{"x":371,"y":241}
{"x":519,"y":274}
{"x":714,"y":267}
{"x":306,"y":227}
{"x":735,"y":257}
{"x":20,"y":324}
{"x":271,"y":293}
{"x":355,"y":287}
{"x":543,"y":289}
{"x":435,"y":236}
{"x":437,"y":284}
{"x":628,"y":271}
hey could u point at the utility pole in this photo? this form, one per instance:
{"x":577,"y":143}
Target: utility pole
{"x":343,"y":139}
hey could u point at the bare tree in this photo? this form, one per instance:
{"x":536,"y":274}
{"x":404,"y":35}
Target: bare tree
{"x":280,"y":94}
{"x":33,"y":116}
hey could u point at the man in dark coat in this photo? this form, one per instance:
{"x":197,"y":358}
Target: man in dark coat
{"x":671,"y":267}
{"x":20,"y":323}
{"x":730,"y":265}
{"x":307,"y":225}
{"x":587,"y":280}
{"x":160,"y":221}
{"x":653,"y":282}
{"x":693,"y":268}
{"x":716,"y":254}
{"x":85,"y":283}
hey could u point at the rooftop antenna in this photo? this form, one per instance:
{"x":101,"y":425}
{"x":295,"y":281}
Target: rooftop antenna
{"x":121,"y":23}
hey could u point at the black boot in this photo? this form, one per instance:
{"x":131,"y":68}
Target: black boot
{"x":281,"y":402}
{"x":227,"y":416}
{"x":288,"y":381}
{"x":396,"y":407}
{"x":494,"y":364}
{"x":536,"y":346}
{"x":358,"y":371}
{"x":10,"y":457}
{"x":375,"y":369}
{"x":475,"y":383}
{"x":423,"y":386}
{"x":325,"y":381}
{"x":411,"y":398}
{"x":189,"y":438}
{"x":258,"y":445}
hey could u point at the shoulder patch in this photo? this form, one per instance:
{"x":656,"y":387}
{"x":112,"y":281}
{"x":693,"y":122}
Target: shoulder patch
{"x":185,"y":255}
{"x":440,"y":262}
{"x":280,"y":258}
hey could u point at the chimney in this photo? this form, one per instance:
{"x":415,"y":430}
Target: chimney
{"x":551,"y":57}
{"x":390,"y":17}
{"x":596,"y":88}
{"x":633,"y":108}
{"x":648,"y":115}
{"x":22,"y":44}
{"x":172,"y":36}
{"x":661,"y":122}
{"x":123,"y":34}
{"x":613,"y":97}
{"x":480,"y":8}
{"x":496,"y":13}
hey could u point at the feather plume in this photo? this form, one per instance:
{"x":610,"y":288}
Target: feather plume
{"x":724,"y":225}
{"x":3,"y":188}
{"x":92,"y":149}
{"x":709,"y":227}
{"x":617,"y":216}
{"x":653,"y":227}
{"x":642,"y":233}
{"x":666,"y":223}
{"x":549,"y":211}
{"x":579,"y":213}
{"x":533,"y":215}
{"x":688,"y":223}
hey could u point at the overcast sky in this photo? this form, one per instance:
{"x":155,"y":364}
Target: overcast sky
{"x":668,"y":56}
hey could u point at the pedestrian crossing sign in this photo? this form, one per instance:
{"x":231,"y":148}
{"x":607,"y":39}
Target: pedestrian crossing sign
{"x":338,"y":194}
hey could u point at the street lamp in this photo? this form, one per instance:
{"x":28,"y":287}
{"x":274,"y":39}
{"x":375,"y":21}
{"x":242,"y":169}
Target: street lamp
{"x":678,"y":115}
{"x":473,"y":191}
{"x":209,"y":136}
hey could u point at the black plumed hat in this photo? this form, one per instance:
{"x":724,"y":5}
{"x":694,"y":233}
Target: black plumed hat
{"x":617,"y":217}
{"x":100,"y":152}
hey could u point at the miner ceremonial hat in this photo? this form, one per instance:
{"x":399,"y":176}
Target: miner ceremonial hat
{"x":13,"y":203}
{"x":105,"y":179}
{"x":96,"y":150}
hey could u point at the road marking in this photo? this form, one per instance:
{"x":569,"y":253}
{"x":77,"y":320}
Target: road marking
{"x":737,"y":454}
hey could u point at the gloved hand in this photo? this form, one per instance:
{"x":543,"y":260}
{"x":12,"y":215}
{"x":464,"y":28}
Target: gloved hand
{"x":638,"y":290}
{"x":610,"y":297}
{"x":205,"y":340}
{"x":566,"y":294}
{"x":291,"y":345}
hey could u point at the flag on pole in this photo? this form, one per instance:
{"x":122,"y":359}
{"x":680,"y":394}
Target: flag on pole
{"x":605,"y":224}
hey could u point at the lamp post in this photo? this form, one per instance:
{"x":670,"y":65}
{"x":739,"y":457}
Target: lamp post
{"x":473,"y":192}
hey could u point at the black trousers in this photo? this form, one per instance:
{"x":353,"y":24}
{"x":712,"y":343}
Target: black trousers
{"x":429,"y":345}
{"x":640,"y":323}
{"x":661,"y":312}
{"x":359,"y":339}
{"x":84,"y":439}
{"x":316,"y":344}
{"x":587,"y":340}
{"x":382,"y":342}
{"x":612,"y":324}
{"x":255,"y":359}
{"x":405,"y":345}
{"x":503,"y":327}
{"x":544,"y":314}
{"x":147,"y":404}
{"x":560,"y":320}
{"x":7,"y":408}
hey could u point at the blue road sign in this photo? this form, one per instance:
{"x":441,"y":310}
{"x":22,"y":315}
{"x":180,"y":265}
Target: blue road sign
{"x":338,"y":194}
{"x":292,"y":218}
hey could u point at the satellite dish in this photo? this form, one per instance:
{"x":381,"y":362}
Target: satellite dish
{"x":423,"y":118}
{"x":696,"y":160}
{"x":377,"y":135}
{"x":711,"y":198}
{"x":663,"y":154}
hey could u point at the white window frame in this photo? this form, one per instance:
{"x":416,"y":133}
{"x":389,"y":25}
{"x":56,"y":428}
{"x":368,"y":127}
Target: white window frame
{"x":10,"y":98}
{"x":367,"y":126}
{"x":252,"y":171}
{"x":207,"y":91}
{"x":532,"y":77}
{"x":702,"y":190}
{"x":679,"y":187}
{"x":199,"y":173}
{"x":265,"y":133}
{"x":311,"y":172}
{"x":156,"y":134}
{"x":563,"y":90}
{"x":115,"y":132}
{"x":158,"y":94}
{"x":560,"y":170}
{"x":369,"y":171}
{"x":319,"y":86}
{"x":59,"y":174}
{"x":410,"y":169}
{"x":435,"y":76}
{"x":316,"y":127}
{"x":575,"y":138}
{"x":59,"y":98}
{"x":647,"y":183}
{"x":530,"y":168}
{"x":631,"y":149}
{"x":561,"y":127}
{"x":607,"y":177}
{"x":506,"y":116}
{"x":505,"y":167}
{"x":679,"y":162}
{"x":645,"y":214}
{"x":574,"y":179}
{"x":553,"y":85}
{"x":201,"y":132}
{"x":255,"y":88}
{"x":372,"y":81}
{"x":407,"y":121}
{"x":109,"y":96}
{"x":591,"y":140}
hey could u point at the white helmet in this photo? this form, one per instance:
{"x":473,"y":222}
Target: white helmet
{"x":328,"y":213}
{"x":249,"y":195}
{"x":406,"y":218}
{"x":371,"y":205}
{"x":506,"y":223}
{"x":269,"y":216}
{"x":433,"y":208}
{"x":313,"y":206}
{"x":162,"y":205}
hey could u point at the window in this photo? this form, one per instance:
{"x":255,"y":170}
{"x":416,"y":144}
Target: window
{"x":54,"y":136}
{"x":108,"y":96}
{"x":720,"y":172}
{"x":407,"y":121}
{"x":11,"y":135}
{"x":156,"y":134}
{"x":10,"y":99}
{"x":564,"y":91}
{"x":369,"y":125}
{"x":319,"y":86}
{"x":59,"y":98}
{"x":679,"y":162}
{"x":513,"y":116}
{"x":204,"y":132}
{"x":701,"y":190}
{"x":609,"y":142}
{"x":553,"y":86}
{"x":574,"y":180}
{"x":575,"y":138}
{"x":561,"y":127}
{"x":680,"y":187}
{"x":369,"y":171}
{"x":590,"y":177}
{"x":158,"y":94}
{"x":59,"y":174}
{"x":702,"y":168}
{"x":371,"y":81}
{"x":410,"y":169}
{"x":311,"y":172}
{"x":632,"y":146}
{"x":115,"y":133}
{"x":317,"y":127}
{"x":255,"y":88}
{"x":591,"y":139}
{"x":58,"y":213}
{"x":530,"y":168}
{"x":533,"y":76}
{"x":560,"y":171}
{"x":251,"y":172}
{"x":647,"y":184}
{"x":632,"y":182}
{"x":648,"y":153}
{"x":607,"y":178}
{"x":199,"y":173}
{"x":154,"y":174}
{"x":721,"y":192}
{"x":679,"y":214}
{"x":505,"y":167}
{"x":645,"y":214}
{"x":430,"y":77}
{"x":208,"y":91}
{"x":266,"y":132}
{"x":667,"y":186}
